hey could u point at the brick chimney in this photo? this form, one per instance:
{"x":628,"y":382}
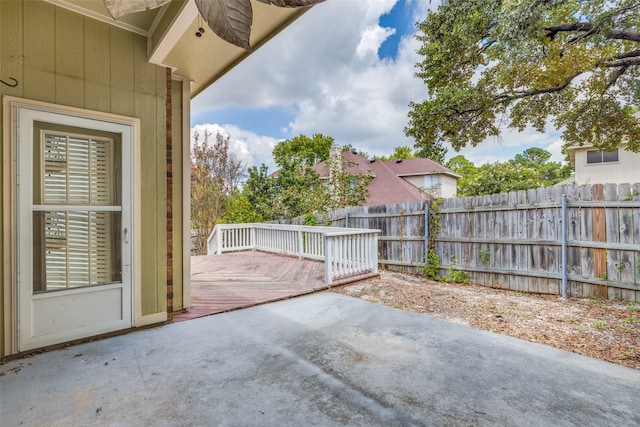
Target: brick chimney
{"x":335,"y":160}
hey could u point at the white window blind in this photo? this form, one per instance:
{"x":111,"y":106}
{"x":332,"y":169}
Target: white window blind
{"x":78,"y":221}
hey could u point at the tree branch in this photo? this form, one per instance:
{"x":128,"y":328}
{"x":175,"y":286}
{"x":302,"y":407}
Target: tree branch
{"x":633,"y":36}
{"x":508,"y":97}
{"x":582,"y":36}
{"x":614,"y":78}
{"x":589,"y":29}
{"x":486,"y":46}
{"x":624,"y":62}
{"x":630,"y":54}
{"x":553,"y":30}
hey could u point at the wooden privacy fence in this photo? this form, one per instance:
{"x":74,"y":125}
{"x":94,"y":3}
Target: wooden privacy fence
{"x":528,"y":241}
{"x":515,"y":240}
{"x":401,"y":241}
{"x":346,"y":252}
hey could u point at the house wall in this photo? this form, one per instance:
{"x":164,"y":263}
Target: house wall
{"x":448,"y":184}
{"x":64,"y":58}
{"x":624,"y":171}
{"x":415,"y":180}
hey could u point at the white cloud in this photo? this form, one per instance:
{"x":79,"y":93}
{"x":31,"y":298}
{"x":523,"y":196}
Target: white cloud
{"x":371,"y":40}
{"x":251,"y":148}
{"x":318,"y":48}
{"x":325,"y":68}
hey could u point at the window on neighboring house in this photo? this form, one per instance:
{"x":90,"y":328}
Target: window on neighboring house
{"x":595,"y":156}
{"x":431,"y":181}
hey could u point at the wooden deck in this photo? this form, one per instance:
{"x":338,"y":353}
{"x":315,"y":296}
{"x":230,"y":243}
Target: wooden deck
{"x":235,"y":280}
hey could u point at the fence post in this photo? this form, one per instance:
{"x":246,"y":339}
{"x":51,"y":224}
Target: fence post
{"x":564,"y":245}
{"x":346,"y":218}
{"x":300,"y":244}
{"x":426,"y":232}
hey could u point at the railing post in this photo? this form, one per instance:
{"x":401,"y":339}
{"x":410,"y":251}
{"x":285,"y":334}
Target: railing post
{"x":219,"y":240}
{"x":300,"y":244}
{"x":253,"y":237}
{"x":374,"y":255}
{"x":327,"y":261}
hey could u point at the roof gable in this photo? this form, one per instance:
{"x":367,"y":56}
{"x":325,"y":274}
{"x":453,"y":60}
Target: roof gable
{"x":418,"y":166}
{"x":386,"y":187}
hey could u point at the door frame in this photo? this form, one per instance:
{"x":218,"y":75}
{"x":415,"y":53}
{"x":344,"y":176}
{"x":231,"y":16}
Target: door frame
{"x":10,"y":291}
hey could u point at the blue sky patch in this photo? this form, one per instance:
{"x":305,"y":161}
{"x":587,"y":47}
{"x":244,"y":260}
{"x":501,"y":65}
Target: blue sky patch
{"x":401,"y":18}
{"x":262,"y":121}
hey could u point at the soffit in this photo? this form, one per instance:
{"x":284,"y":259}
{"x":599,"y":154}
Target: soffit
{"x":140,"y":22}
{"x":172,"y":41}
{"x":205,"y":59}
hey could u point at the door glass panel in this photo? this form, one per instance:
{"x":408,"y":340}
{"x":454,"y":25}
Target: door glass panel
{"x":81,"y":246}
{"x":76,"y":248}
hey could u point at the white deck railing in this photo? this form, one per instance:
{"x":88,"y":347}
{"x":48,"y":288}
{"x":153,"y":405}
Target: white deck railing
{"x":345,"y":251}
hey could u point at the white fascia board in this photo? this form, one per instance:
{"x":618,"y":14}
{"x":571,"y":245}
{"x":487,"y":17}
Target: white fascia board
{"x":176,"y":30}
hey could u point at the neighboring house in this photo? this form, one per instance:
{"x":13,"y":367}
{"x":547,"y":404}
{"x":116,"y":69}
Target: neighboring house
{"x":95,"y":162}
{"x":427,"y":175}
{"x":593,"y":166}
{"x":397,"y":181}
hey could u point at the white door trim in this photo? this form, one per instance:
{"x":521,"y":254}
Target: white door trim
{"x":78,"y":118}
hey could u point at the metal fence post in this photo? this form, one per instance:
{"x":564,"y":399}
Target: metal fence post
{"x":426,"y":232}
{"x":564,"y":245}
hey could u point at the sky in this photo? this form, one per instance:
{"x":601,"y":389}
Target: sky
{"x":345,"y":69}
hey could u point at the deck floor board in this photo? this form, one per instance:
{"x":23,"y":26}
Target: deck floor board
{"x":235,"y":280}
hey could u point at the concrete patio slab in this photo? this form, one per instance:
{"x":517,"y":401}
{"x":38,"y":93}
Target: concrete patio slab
{"x":325,"y":360}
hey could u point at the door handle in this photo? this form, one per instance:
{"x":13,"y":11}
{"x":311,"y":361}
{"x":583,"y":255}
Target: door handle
{"x":125,"y":233}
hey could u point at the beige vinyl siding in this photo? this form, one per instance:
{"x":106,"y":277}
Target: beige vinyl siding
{"x":415,"y":180}
{"x":68,"y":59}
{"x":448,"y":186}
{"x":624,"y":171}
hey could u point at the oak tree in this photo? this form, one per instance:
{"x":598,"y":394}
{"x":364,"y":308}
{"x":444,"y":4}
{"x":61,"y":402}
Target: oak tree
{"x":493,"y":63}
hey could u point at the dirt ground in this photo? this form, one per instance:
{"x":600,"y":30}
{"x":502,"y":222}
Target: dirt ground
{"x":606,"y":330}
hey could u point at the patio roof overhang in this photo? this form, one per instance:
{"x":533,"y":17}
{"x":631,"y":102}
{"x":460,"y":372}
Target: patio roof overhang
{"x":172,"y":41}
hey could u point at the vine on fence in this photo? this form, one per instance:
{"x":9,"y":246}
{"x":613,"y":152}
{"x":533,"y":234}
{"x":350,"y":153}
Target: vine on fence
{"x":432,"y":261}
{"x":485,"y":256}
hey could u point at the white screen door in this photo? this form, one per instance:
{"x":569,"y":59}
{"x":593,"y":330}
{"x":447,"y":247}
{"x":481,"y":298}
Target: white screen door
{"x":74,"y":234}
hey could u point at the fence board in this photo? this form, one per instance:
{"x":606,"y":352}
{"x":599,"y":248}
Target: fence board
{"x":512,"y":240}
